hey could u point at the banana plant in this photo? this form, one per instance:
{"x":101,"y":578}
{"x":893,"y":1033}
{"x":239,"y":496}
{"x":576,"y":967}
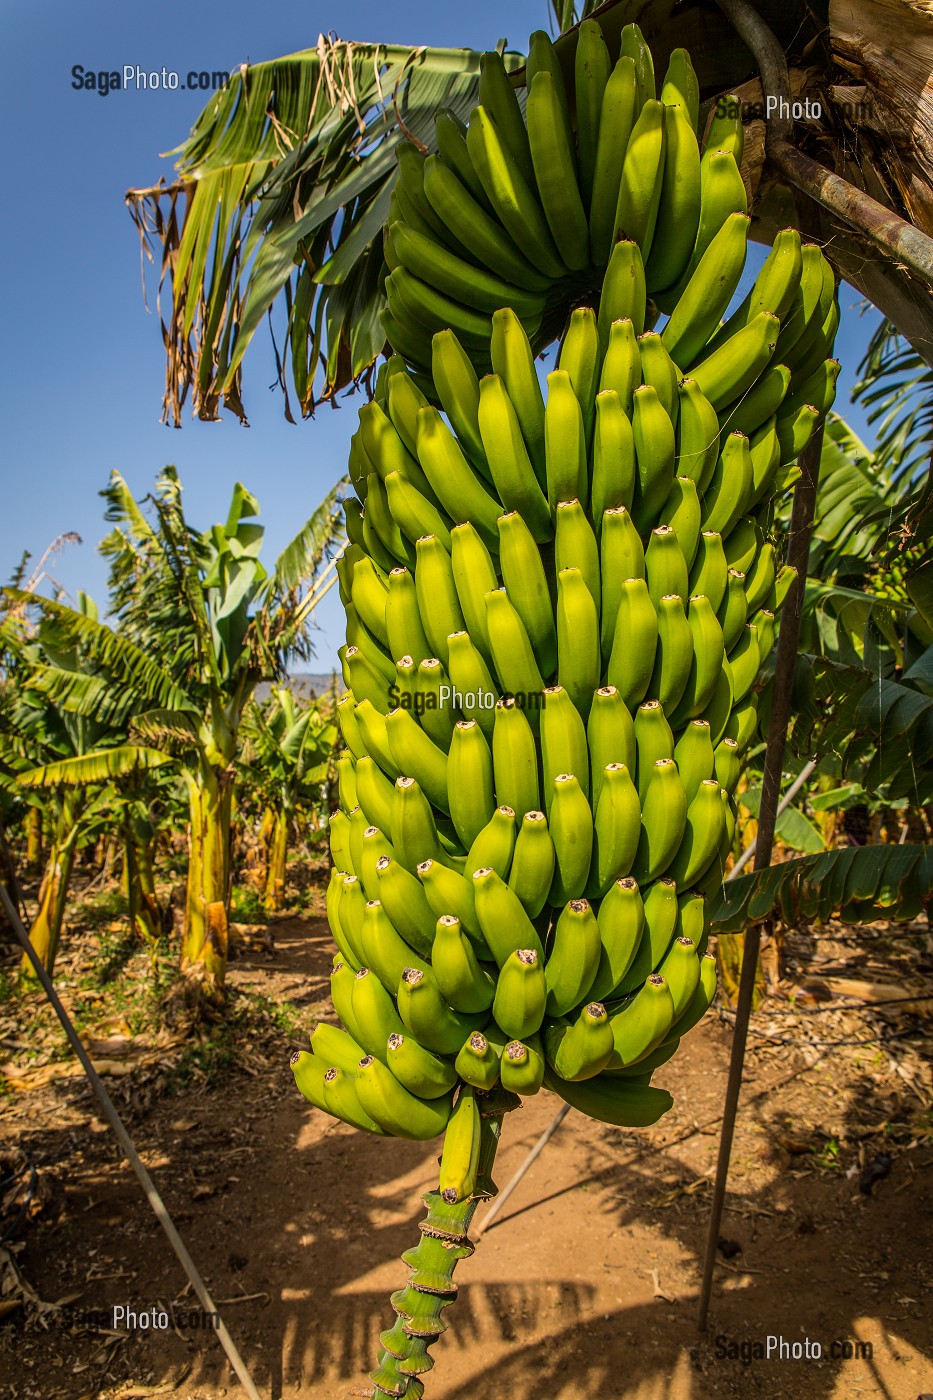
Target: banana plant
{"x":287,"y":751}
{"x":198,"y":622}
{"x":65,"y":764}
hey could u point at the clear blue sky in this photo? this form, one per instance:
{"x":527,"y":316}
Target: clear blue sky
{"x":82,"y":361}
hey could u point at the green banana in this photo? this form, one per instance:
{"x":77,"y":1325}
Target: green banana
{"x":613,"y":483}
{"x":404,"y":628}
{"x":509,"y":460}
{"x":675,"y":656}
{"x":366,"y":682}
{"x":621,"y":920}
{"x":450,"y":132}
{"x":514,"y":759}
{"x":369,"y":592}
{"x":592,"y":67}
{"x":642,"y":178}
{"x":622,"y":296}
{"x":385,"y":952}
{"x":449,"y":892}
{"x":527,"y":587}
{"x":621,"y":368}
{"x":341,"y":994}
{"x":579,"y":662}
{"x":460,"y":1155}
{"x":679,"y":202}
{"x":571,"y":828}
{"x":470,"y":788}
{"x":494,"y":845}
{"x":655,"y":450}
{"x":532,"y":868}
{"x":455,"y":484}
{"x":335,"y":1047}
{"x":502,"y":917}
{"x":346,"y":781}
{"x":512,"y":652}
{"x":730,"y":486}
{"x":333,"y":899}
{"x":728,"y":764}
{"x":434,"y":702}
{"x":565,"y":442}
{"x":396,"y":1110}
{"x":339,"y":826}
{"x":682,"y":512}
{"x":700,"y":1001}
{"x":465,"y":985}
{"x":719,"y":707}
{"x":774,"y":289}
{"x":457,"y":387}
{"x":581,"y":1050}
{"x":622,"y":556}
{"x":500,"y":100}
{"x":374,"y":792}
{"x":436,"y":591}
{"x":416,"y":754}
{"x":610,"y":737}
{"x":511,"y":195}
{"x":373,"y":1014}
{"x":708,"y":292}
{"x":654,"y":741}
{"x":640,"y":1025}
{"x":663,"y":821}
{"x":521,"y":994}
{"x":701,"y":839}
{"x":414,"y":834}
{"x":417,"y":1070}
{"x":733,"y":611}
{"x":697,"y":434}
{"x":616,"y":830}
{"x":761,"y":401}
{"x":406,"y":905}
{"x":522,"y":1066}
{"x":727,"y":372}
{"x":709,"y":575}
{"x":553,"y":154}
{"x":474,"y":576}
{"x":563,"y":742}
{"x":477,"y":1063}
{"x":743,"y":545}
{"x":744,"y":662}
{"x":514,"y":362}
{"x":612,"y":1100}
{"x":413,"y":513}
{"x":427,"y":1017}
{"x":665,"y":566}
{"x":631,"y":661}
{"x":470,"y":675}
{"x":580,"y":356}
{"x":350,"y":909}
{"x":573,"y":957}
{"x":694,"y":756}
{"x":616,"y":120}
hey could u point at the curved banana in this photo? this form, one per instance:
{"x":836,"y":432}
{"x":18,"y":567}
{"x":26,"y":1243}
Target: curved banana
{"x":532,"y":868}
{"x":573,"y":958}
{"x":521,"y":994}
{"x":397,"y":1111}
{"x":610,"y":737}
{"x":460,"y":1155}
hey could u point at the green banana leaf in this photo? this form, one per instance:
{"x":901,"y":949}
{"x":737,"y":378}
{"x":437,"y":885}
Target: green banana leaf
{"x":860,"y":885}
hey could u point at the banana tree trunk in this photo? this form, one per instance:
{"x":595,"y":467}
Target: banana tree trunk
{"x":46,"y":929}
{"x":145,"y":914}
{"x":278,"y":857}
{"x":33,"y":841}
{"x":204,"y":946}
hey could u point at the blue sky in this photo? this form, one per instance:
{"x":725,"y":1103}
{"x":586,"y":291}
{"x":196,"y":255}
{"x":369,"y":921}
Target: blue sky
{"x":82,"y":361}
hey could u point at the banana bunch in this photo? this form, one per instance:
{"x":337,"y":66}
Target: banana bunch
{"x":559,"y":597}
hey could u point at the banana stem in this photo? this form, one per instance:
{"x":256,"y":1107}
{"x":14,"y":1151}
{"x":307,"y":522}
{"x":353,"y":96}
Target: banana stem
{"x":405,"y":1357}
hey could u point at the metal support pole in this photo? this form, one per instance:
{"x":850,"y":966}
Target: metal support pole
{"x":798,"y":551}
{"x":123,"y":1137}
{"x":532,"y":1157}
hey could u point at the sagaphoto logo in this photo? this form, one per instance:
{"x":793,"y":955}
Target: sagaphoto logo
{"x":132,"y":78}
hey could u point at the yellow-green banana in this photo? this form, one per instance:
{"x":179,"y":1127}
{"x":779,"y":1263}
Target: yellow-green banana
{"x":515,"y":759}
{"x":571,"y":828}
{"x":621,"y":920}
{"x":631,"y":661}
{"x":420,"y":1072}
{"x":616,"y":830}
{"x":580,"y":1050}
{"x":509,"y":459}
{"x":573,"y":957}
{"x":610,"y":736}
{"x":470,"y":789}
{"x":521,"y":994}
{"x":395,"y":1109}
{"x":663,"y":820}
{"x":532,"y":868}
{"x":460,"y":1155}
{"x":465,"y":985}
{"x":579,"y":661}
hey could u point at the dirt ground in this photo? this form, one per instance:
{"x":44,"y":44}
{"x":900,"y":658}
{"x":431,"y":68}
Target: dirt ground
{"x":585,"y":1286}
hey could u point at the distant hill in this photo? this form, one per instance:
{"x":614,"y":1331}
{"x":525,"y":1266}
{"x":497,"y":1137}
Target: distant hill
{"x":304,"y":684}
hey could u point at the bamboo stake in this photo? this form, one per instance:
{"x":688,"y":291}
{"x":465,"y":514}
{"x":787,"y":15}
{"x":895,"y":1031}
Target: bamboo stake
{"x":123,"y":1137}
{"x":798,"y":551}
